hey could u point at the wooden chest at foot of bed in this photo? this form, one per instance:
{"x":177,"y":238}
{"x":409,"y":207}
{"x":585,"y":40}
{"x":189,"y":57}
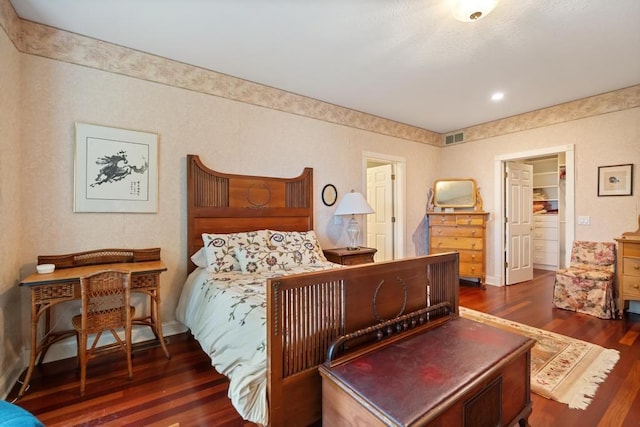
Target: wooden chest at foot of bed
{"x":461,"y":373}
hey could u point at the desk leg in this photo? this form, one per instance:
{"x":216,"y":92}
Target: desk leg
{"x":154,"y":319}
{"x":157,"y":319}
{"x":34,"y":348}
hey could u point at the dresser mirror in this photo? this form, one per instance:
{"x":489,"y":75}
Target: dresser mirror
{"x":455,"y":193}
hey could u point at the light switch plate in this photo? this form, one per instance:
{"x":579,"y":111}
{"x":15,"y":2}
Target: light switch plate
{"x":584,"y":220}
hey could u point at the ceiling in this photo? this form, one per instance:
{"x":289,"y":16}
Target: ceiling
{"x":405,"y":60}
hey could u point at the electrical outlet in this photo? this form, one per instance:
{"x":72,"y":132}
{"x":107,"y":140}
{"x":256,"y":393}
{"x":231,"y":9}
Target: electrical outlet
{"x":584,"y":220}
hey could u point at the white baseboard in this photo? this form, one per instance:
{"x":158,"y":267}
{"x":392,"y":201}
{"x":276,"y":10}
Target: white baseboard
{"x":67,"y":348}
{"x":10,"y":377}
{"x":492,"y":280}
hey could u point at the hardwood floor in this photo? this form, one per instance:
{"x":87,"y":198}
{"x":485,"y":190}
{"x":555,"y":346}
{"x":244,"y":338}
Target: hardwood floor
{"x":187,"y":390}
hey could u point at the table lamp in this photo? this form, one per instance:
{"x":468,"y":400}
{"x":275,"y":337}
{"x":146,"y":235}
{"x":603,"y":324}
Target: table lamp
{"x":353,"y":204}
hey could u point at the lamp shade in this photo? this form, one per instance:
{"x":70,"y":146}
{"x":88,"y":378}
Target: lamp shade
{"x":353,"y":203}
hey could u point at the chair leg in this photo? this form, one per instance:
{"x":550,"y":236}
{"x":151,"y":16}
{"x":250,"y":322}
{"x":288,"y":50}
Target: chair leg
{"x":78,"y":347}
{"x":125,"y":346}
{"x":83,"y":362}
{"x":128,"y":349}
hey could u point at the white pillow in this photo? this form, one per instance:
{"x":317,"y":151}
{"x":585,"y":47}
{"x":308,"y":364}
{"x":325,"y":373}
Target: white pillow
{"x":220,"y":249}
{"x":200,"y":258}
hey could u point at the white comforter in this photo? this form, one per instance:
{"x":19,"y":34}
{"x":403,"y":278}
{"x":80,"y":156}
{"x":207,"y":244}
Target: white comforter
{"x":226,"y":313}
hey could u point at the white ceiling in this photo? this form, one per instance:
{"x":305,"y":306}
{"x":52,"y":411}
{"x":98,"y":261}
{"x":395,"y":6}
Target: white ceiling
{"x":405,"y":60}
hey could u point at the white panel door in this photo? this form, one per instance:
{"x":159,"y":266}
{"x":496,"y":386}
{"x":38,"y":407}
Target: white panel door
{"x":380,"y":223}
{"x":519,"y":222}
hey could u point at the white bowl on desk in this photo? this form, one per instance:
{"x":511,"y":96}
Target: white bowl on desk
{"x":45,"y":268}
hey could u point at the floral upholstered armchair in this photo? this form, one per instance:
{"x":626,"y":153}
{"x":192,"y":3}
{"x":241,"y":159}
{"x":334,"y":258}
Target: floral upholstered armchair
{"x":588,"y":285}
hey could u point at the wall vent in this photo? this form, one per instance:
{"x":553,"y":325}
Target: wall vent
{"x":454,"y":138}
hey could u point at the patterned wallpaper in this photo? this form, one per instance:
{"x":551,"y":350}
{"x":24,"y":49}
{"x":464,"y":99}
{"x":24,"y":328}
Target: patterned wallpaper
{"x":618,"y":100}
{"x":41,"y":40}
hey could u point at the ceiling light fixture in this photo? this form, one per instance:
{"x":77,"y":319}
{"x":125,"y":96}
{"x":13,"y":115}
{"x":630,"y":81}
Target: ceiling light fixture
{"x":497,"y":96}
{"x":471,"y":10}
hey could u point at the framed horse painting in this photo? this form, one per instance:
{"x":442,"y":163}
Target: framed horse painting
{"x":116,"y":170}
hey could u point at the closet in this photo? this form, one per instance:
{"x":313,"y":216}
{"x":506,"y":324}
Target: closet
{"x":548,"y":211}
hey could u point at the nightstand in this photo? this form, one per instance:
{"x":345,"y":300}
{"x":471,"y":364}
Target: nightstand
{"x":346,"y":256}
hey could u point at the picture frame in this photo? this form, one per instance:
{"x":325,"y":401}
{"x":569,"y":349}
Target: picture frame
{"x":615,"y":180}
{"x":115,"y":170}
{"x":329,"y":195}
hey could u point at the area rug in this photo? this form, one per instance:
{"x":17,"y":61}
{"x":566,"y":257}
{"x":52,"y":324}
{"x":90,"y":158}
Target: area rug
{"x":563,"y":369}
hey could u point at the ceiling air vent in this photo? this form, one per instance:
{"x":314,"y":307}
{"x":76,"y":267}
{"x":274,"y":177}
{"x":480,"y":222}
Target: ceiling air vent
{"x":454,"y":138}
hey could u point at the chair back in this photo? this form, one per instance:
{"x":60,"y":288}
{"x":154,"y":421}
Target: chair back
{"x":593,"y":255}
{"x":105,"y":300}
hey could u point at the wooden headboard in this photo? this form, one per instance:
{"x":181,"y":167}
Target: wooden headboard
{"x":225,"y":203}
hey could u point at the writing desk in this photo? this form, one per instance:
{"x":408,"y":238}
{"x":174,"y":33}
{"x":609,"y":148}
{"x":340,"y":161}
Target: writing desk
{"x":51,"y":289}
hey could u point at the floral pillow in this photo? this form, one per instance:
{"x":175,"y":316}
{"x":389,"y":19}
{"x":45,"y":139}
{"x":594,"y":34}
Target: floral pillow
{"x":260,"y":261}
{"x":220,"y":249}
{"x":295,"y":248}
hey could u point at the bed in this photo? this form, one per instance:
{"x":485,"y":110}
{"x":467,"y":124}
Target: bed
{"x":267,"y":321}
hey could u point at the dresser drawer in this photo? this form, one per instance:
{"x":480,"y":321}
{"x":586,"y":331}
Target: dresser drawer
{"x":631,"y":249}
{"x":543,"y":246}
{"x":475,"y":243}
{"x":631,"y":286}
{"x":472,"y":257}
{"x":545,"y":233}
{"x":631,"y":266}
{"x":442,"y":219}
{"x":464,"y":256}
{"x":545,"y":221}
{"x":471,"y":269}
{"x":459,"y":219}
{"x":470,"y":219}
{"x":549,"y":258}
{"x":456,"y":231}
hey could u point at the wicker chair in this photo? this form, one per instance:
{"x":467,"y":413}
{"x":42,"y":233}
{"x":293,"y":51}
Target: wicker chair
{"x":105,"y":306}
{"x":587,"y":286}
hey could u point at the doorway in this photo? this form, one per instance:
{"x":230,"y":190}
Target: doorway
{"x":566,"y":226}
{"x":384,"y":178}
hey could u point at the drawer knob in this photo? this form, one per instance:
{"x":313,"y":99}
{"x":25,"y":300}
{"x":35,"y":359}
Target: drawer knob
{"x":636,"y":286}
{"x":636,"y":267}
{"x":473,"y":245}
{"x":442,"y":219}
{"x":473,"y":233}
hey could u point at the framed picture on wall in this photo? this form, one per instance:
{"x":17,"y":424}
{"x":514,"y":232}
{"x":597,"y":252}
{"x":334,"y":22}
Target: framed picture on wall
{"x":616,"y":180}
{"x":116,"y":170}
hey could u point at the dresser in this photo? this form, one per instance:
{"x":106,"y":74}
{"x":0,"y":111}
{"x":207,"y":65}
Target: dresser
{"x":546,"y":245}
{"x":462,"y":232}
{"x":628,"y":267}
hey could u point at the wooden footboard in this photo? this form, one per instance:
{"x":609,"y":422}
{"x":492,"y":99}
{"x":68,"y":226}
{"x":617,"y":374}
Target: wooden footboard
{"x":307,"y":312}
